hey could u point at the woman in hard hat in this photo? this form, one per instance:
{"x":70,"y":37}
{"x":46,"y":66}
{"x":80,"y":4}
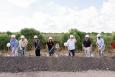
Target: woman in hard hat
{"x":51,"y":46}
{"x":14,"y":45}
{"x":101,"y":45}
{"x":87,"y":46}
{"x":71,"y":42}
{"x":37,"y":45}
{"x":23,"y":42}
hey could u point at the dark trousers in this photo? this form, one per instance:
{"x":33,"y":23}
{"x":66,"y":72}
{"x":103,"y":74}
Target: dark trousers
{"x":37,"y":52}
{"x":23,"y":49}
{"x":71,"y":52}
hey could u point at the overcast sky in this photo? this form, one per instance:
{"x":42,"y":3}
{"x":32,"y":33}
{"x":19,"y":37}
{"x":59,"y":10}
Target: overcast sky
{"x":57,"y":15}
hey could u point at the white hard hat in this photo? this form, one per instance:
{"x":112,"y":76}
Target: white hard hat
{"x":87,"y":35}
{"x":65,"y":44}
{"x":8,"y":44}
{"x":22,"y":36}
{"x":50,"y":38}
{"x":35,"y":36}
{"x":98,"y":35}
{"x":13,"y":36}
{"x":71,"y":36}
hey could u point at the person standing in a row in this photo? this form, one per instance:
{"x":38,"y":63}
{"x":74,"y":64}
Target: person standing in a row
{"x":87,"y":46}
{"x":37,"y":45}
{"x":71,"y":45}
{"x":50,"y":46}
{"x":101,"y":45}
{"x":23,"y":42}
{"x":14,"y":46}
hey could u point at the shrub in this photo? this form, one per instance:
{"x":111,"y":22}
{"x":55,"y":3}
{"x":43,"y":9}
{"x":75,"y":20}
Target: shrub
{"x":78,"y":35}
{"x":29,"y":34}
{"x":4,"y":39}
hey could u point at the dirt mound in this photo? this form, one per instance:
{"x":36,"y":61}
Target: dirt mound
{"x":61,"y":64}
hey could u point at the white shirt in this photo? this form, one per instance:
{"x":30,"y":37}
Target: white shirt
{"x":100,"y":43}
{"x":23,"y":43}
{"x":71,"y":44}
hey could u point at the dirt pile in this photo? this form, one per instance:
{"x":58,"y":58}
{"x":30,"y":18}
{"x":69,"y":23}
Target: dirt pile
{"x":61,"y":64}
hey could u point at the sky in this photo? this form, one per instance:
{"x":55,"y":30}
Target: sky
{"x":57,"y":15}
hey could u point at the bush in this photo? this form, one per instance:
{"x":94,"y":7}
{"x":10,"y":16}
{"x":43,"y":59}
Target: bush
{"x":113,"y":37}
{"x":58,"y":37}
{"x":78,"y":35}
{"x":29,"y":34}
{"x":4,"y":39}
{"x":64,"y":39}
{"x":108,"y":40}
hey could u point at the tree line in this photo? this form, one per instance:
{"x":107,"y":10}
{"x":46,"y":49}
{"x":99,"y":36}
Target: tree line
{"x":57,"y":37}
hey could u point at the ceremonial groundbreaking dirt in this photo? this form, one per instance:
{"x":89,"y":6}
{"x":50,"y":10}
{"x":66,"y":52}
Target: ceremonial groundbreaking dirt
{"x":62,"y":66}
{"x":56,"y":64}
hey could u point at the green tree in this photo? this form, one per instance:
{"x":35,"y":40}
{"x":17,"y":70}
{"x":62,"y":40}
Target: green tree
{"x":4,"y":39}
{"x":108,"y":40}
{"x":29,"y":34}
{"x":64,"y":38}
{"x":78,"y":35}
{"x":113,"y":37}
{"x":9,"y":33}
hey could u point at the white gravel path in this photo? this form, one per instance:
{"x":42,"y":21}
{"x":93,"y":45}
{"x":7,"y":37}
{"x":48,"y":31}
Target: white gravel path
{"x":61,"y":74}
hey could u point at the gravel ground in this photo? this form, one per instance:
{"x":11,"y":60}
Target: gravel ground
{"x":60,"y":74}
{"x":55,"y":64}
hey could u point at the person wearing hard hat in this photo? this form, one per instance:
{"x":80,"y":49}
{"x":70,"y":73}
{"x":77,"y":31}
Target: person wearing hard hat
{"x":14,"y":45}
{"x":87,"y":46}
{"x":101,"y":45}
{"x":50,"y":46}
{"x":23,"y":42}
{"x":37,"y":46}
{"x":71,"y":45}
